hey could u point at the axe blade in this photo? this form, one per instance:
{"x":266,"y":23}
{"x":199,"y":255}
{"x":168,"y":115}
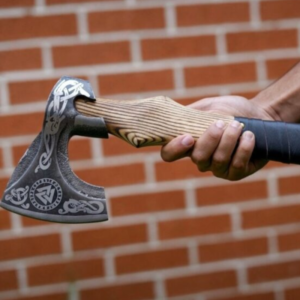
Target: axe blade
{"x":43,"y":185}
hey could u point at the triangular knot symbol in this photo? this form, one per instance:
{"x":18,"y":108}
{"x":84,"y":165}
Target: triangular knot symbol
{"x":46,"y":194}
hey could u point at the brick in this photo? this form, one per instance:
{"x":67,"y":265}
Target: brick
{"x":204,"y":14}
{"x":262,"y":40}
{"x":277,"y":68}
{"x":22,"y":92}
{"x":57,"y":2}
{"x":247,"y":191}
{"x":272,"y":272}
{"x":276,"y":10}
{"x":16,"y":3}
{"x":220,"y":74}
{"x":4,"y":219}
{"x":292,"y":294}
{"x":14,"y":124}
{"x":118,"y":20}
{"x":3,"y":184}
{"x":289,"y":185}
{"x":79,"y":149}
{"x":274,"y":164}
{"x":114,"y":176}
{"x":132,"y":291}
{"x":182,"y":169}
{"x":116,"y":146}
{"x":233,"y":249}
{"x":44,"y":297}
{"x":109,"y":237}
{"x":65,"y":272}
{"x":28,"y":222}
{"x":23,"y":59}
{"x":260,"y":296}
{"x":178,"y":47}
{"x":37,"y":27}
{"x":271,"y":216}
{"x":91,"y":54}
{"x":154,"y":260}
{"x":147,"y":203}
{"x":8,"y":280}
{"x":289,"y":241}
{"x":181,"y":228}
{"x":29,"y":246}
{"x":1,"y":159}
{"x":200,"y":282}
{"x":136,"y":82}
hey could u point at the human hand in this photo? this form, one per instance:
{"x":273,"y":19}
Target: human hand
{"x":216,"y":150}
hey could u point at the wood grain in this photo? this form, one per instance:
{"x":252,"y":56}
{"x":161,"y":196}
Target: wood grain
{"x":151,"y":121}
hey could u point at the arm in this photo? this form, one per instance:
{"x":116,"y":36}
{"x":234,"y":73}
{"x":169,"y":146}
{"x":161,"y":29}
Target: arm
{"x":215,"y":150}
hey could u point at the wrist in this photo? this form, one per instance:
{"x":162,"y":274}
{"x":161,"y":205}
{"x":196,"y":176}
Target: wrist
{"x":269,"y":110}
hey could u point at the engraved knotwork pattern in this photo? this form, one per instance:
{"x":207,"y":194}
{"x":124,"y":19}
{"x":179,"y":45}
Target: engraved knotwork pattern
{"x":19,"y":196}
{"x":65,"y":90}
{"x":89,"y":207}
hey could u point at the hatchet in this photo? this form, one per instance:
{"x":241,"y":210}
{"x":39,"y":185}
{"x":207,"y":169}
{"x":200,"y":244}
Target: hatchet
{"x":43,"y":185}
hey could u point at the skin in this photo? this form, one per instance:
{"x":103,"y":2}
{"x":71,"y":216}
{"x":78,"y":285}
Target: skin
{"x":222,"y":149}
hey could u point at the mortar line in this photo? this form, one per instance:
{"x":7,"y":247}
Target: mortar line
{"x":135,"y":49}
{"x":47,"y":61}
{"x":179,"y":81}
{"x":159,"y":287}
{"x":221,"y":46}
{"x":273,"y":243}
{"x":7,"y":155}
{"x":65,"y":238}
{"x":193,"y":253}
{"x":4,"y":96}
{"x":242,"y":277}
{"x":82,"y":25}
{"x":191,"y":200}
{"x":22,"y":278}
{"x":109,"y":265}
{"x":170,"y":17}
{"x":73,"y":293}
{"x":255,"y":18}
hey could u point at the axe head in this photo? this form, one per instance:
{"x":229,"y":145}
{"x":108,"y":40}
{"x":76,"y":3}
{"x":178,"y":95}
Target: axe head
{"x":43,"y":185}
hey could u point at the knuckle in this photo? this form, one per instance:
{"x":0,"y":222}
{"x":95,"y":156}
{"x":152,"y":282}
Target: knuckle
{"x":214,"y":134}
{"x":198,"y":157}
{"x":166,"y":157}
{"x":238,"y":165}
{"x":204,"y":167}
{"x":232,"y":135}
{"x":219,"y":161}
{"x":245,"y":148}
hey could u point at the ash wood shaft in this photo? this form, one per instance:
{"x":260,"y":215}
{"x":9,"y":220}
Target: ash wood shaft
{"x":149,"y":122}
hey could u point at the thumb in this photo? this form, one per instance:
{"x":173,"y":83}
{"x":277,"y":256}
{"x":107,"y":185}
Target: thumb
{"x":177,"y":148}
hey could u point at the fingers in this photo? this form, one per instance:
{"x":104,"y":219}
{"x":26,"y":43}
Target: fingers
{"x":214,"y":151}
{"x":177,"y":148}
{"x":240,"y":162}
{"x":223,"y":154}
{"x":206,"y":146}
{"x":221,"y":149}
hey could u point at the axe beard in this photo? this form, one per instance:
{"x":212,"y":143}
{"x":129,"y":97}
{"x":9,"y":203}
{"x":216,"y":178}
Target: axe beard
{"x":43,"y":185}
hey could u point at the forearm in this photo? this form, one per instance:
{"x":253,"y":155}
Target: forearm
{"x":281,"y":100}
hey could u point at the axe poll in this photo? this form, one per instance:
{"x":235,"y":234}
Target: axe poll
{"x":43,"y":185}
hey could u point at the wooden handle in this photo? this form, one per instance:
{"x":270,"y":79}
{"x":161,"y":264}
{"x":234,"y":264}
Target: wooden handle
{"x":149,"y":122}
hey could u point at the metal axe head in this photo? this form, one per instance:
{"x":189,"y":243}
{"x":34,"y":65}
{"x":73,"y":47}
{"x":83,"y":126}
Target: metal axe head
{"x":43,"y":185}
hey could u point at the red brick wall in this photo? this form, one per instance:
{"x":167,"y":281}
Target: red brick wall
{"x":173,"y":232}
